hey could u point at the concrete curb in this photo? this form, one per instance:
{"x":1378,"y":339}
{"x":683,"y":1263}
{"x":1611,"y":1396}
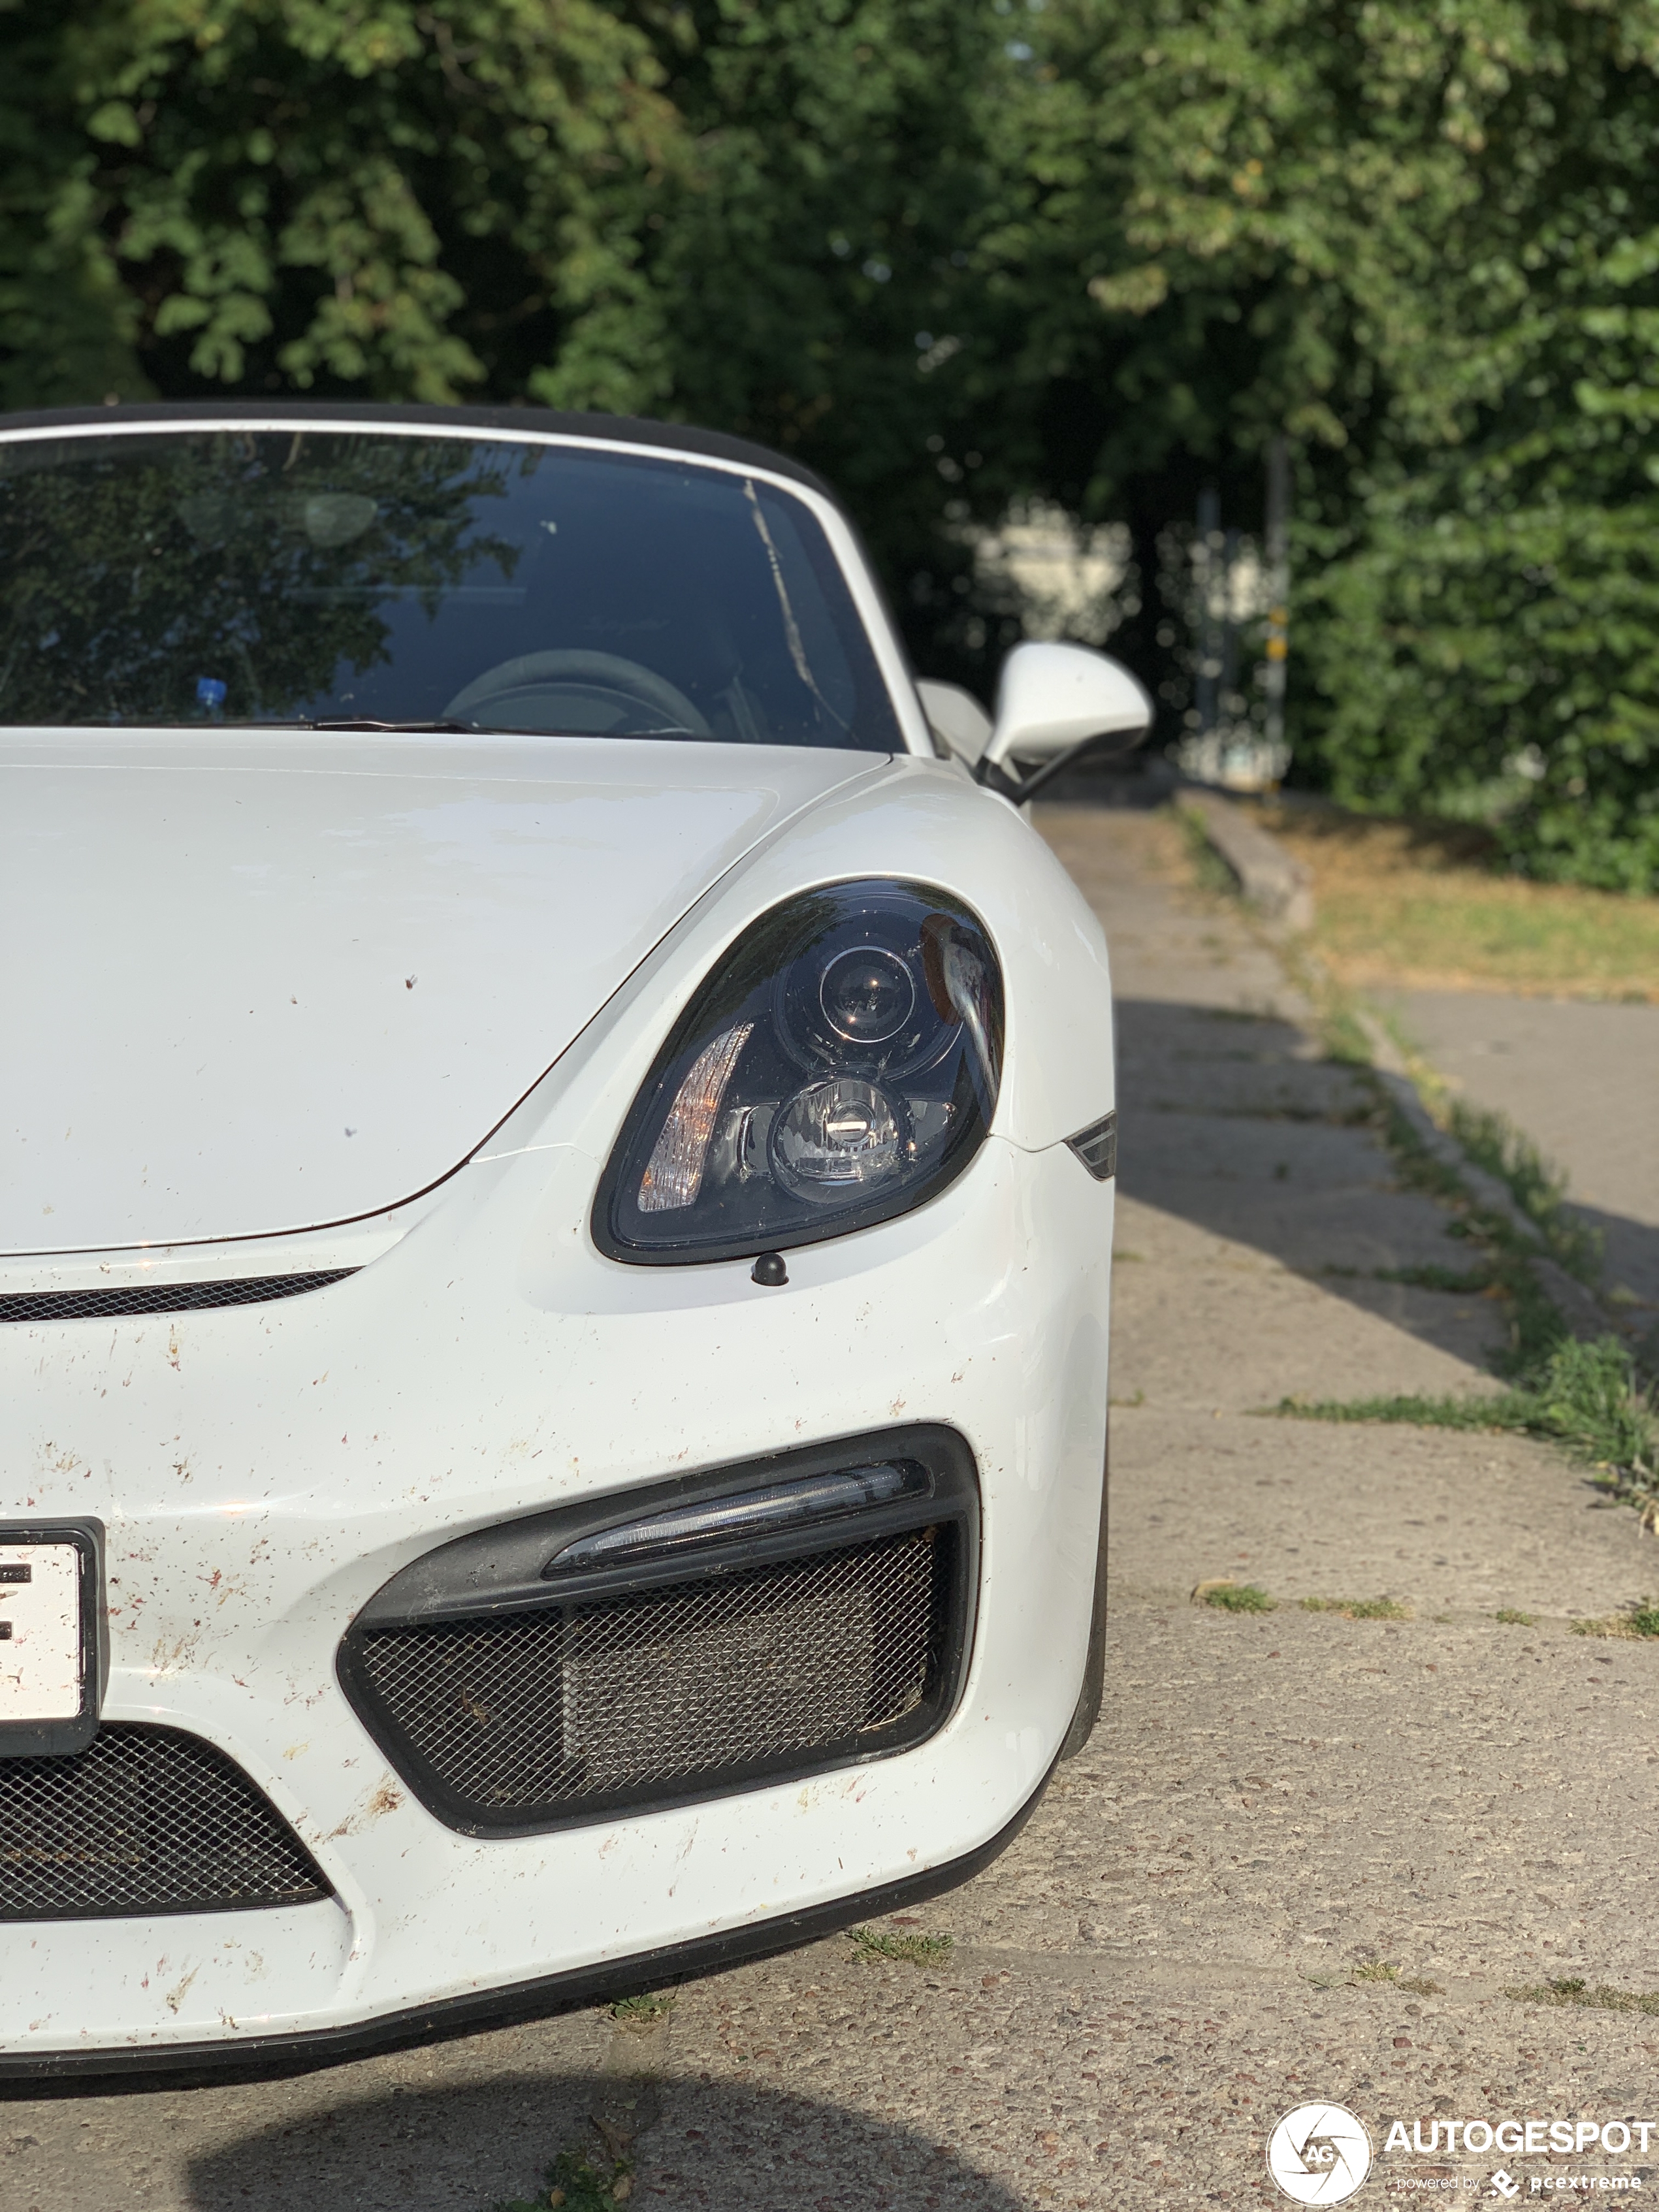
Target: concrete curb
{"x":1267,"y":877}
{"x":1580,"y":1308}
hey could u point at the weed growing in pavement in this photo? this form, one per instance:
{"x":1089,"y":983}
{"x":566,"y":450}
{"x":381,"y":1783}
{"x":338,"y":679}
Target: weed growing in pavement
{"x":1512,"y":1619}
{"x":914,"y":1950}
{"x":1467,"y":1282}
{"x":1587,"y":1397}
{"x":1495,"y":1412}
{"x":648,"y":2010}
{"x":1210,"y":872}
{"x":1641,"y":1619}
{"x":1492,"y":1142}
{"x":1345,"y":1041}
{"x":1240,"y":1597}
{"x":575,"y":2183}
{"x":1381,"y":1970}
{"x":1601,"y":1998}
{"x":1357,"y":1609}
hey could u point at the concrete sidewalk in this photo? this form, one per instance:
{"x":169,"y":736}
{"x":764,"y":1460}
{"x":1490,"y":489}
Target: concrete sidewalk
{"x":1582,"y":1080}
{"x":1277,"y":1813}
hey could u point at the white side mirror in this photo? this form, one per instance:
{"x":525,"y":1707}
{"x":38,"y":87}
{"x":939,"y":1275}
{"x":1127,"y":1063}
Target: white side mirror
{"x":956,"y":717}
{"x":1053,"y":696}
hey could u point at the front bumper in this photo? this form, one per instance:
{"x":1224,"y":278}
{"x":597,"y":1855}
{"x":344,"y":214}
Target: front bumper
{"x":263,"y":1470}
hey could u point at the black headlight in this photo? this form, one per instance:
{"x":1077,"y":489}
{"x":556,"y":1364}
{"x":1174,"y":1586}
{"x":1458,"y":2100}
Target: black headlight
{"x":840,"y":1066}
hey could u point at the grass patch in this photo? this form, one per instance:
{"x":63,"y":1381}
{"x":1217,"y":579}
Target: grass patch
{"x":647,"y":2009}
{"x":911,"y":1950}
{"x":1641,"y":1620}
{"x":1238,"y":1597}
{"x":1492,"y":1142}
{"x":1467,"y":1282}
{"x":1494,"y":1414}
{"x":1418,"y":903}
{"x":1600,"y":1998}
{"x":1513,"y":1619}
{"x":1379,"y":1970}
{"x":576,"y":2185}
{"x":1357,"y":1609}
{"x":1344,"y":1039}
{"x":1535,"y":1327}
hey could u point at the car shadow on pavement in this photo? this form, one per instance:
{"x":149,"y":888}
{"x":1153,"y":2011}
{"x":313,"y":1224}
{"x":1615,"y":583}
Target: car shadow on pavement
{"x":468,"y":2148}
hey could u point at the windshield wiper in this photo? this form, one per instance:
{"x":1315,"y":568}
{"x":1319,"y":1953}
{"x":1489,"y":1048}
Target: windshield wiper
{"x":493,"y":730}
{"x":365,"y":722}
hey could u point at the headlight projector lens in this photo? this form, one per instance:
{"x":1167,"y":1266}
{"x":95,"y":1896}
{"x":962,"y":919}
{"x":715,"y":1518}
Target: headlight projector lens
{"x":867,"y":995}
{"x":836,"y":1138}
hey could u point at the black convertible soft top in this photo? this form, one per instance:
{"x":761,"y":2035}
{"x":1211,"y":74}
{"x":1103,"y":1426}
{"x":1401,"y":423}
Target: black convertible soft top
{"x":624,"y":430}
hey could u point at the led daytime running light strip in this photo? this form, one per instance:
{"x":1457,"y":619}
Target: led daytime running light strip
{"x":749,"y":1513}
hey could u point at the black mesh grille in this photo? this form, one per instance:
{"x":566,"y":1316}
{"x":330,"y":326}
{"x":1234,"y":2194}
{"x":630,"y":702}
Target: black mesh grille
{"x":162,"y":1297}
{"x":145,"y":1819}
{"x":527,"y":1717}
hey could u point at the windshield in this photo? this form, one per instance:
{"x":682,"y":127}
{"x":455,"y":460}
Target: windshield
{"x":302,"y":576}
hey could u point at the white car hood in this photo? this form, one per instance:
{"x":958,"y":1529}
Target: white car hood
{"x":254,"y":983}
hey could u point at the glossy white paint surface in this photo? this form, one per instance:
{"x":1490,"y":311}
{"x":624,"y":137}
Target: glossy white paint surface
{"x":1051,"y":695}
{"x":278,"y":980}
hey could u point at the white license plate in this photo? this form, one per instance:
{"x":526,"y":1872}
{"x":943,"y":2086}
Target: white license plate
{"x":40,"y":1640}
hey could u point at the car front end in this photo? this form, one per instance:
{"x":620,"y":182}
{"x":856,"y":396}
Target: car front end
{"x":499,"y":1595}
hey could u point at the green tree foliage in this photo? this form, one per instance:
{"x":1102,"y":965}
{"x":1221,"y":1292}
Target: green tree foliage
{"x":955,"y":252}
{"x":1423,"y":238}
{"x":817,"y":261}
{"x":382,"y":198}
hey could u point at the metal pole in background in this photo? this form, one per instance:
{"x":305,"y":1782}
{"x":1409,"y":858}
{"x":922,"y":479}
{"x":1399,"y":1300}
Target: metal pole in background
{"x":1229,"y":702}
{"x":1209,"y":642}
{"x":1279,"y":588}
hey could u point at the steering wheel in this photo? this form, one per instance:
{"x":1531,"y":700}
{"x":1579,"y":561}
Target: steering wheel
{"x":583,"y":693}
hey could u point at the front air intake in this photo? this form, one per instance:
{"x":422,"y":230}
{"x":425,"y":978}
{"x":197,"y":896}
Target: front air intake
{"x":144,"y":1820}
{"x":764,"y":1624}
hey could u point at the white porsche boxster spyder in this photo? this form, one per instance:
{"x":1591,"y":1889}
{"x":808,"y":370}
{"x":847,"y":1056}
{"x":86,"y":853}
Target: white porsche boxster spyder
{"x":559,"y":1151}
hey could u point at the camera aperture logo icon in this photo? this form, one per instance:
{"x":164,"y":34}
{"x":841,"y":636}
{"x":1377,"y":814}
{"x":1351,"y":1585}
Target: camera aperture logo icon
{"x":1319,"y":2154}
